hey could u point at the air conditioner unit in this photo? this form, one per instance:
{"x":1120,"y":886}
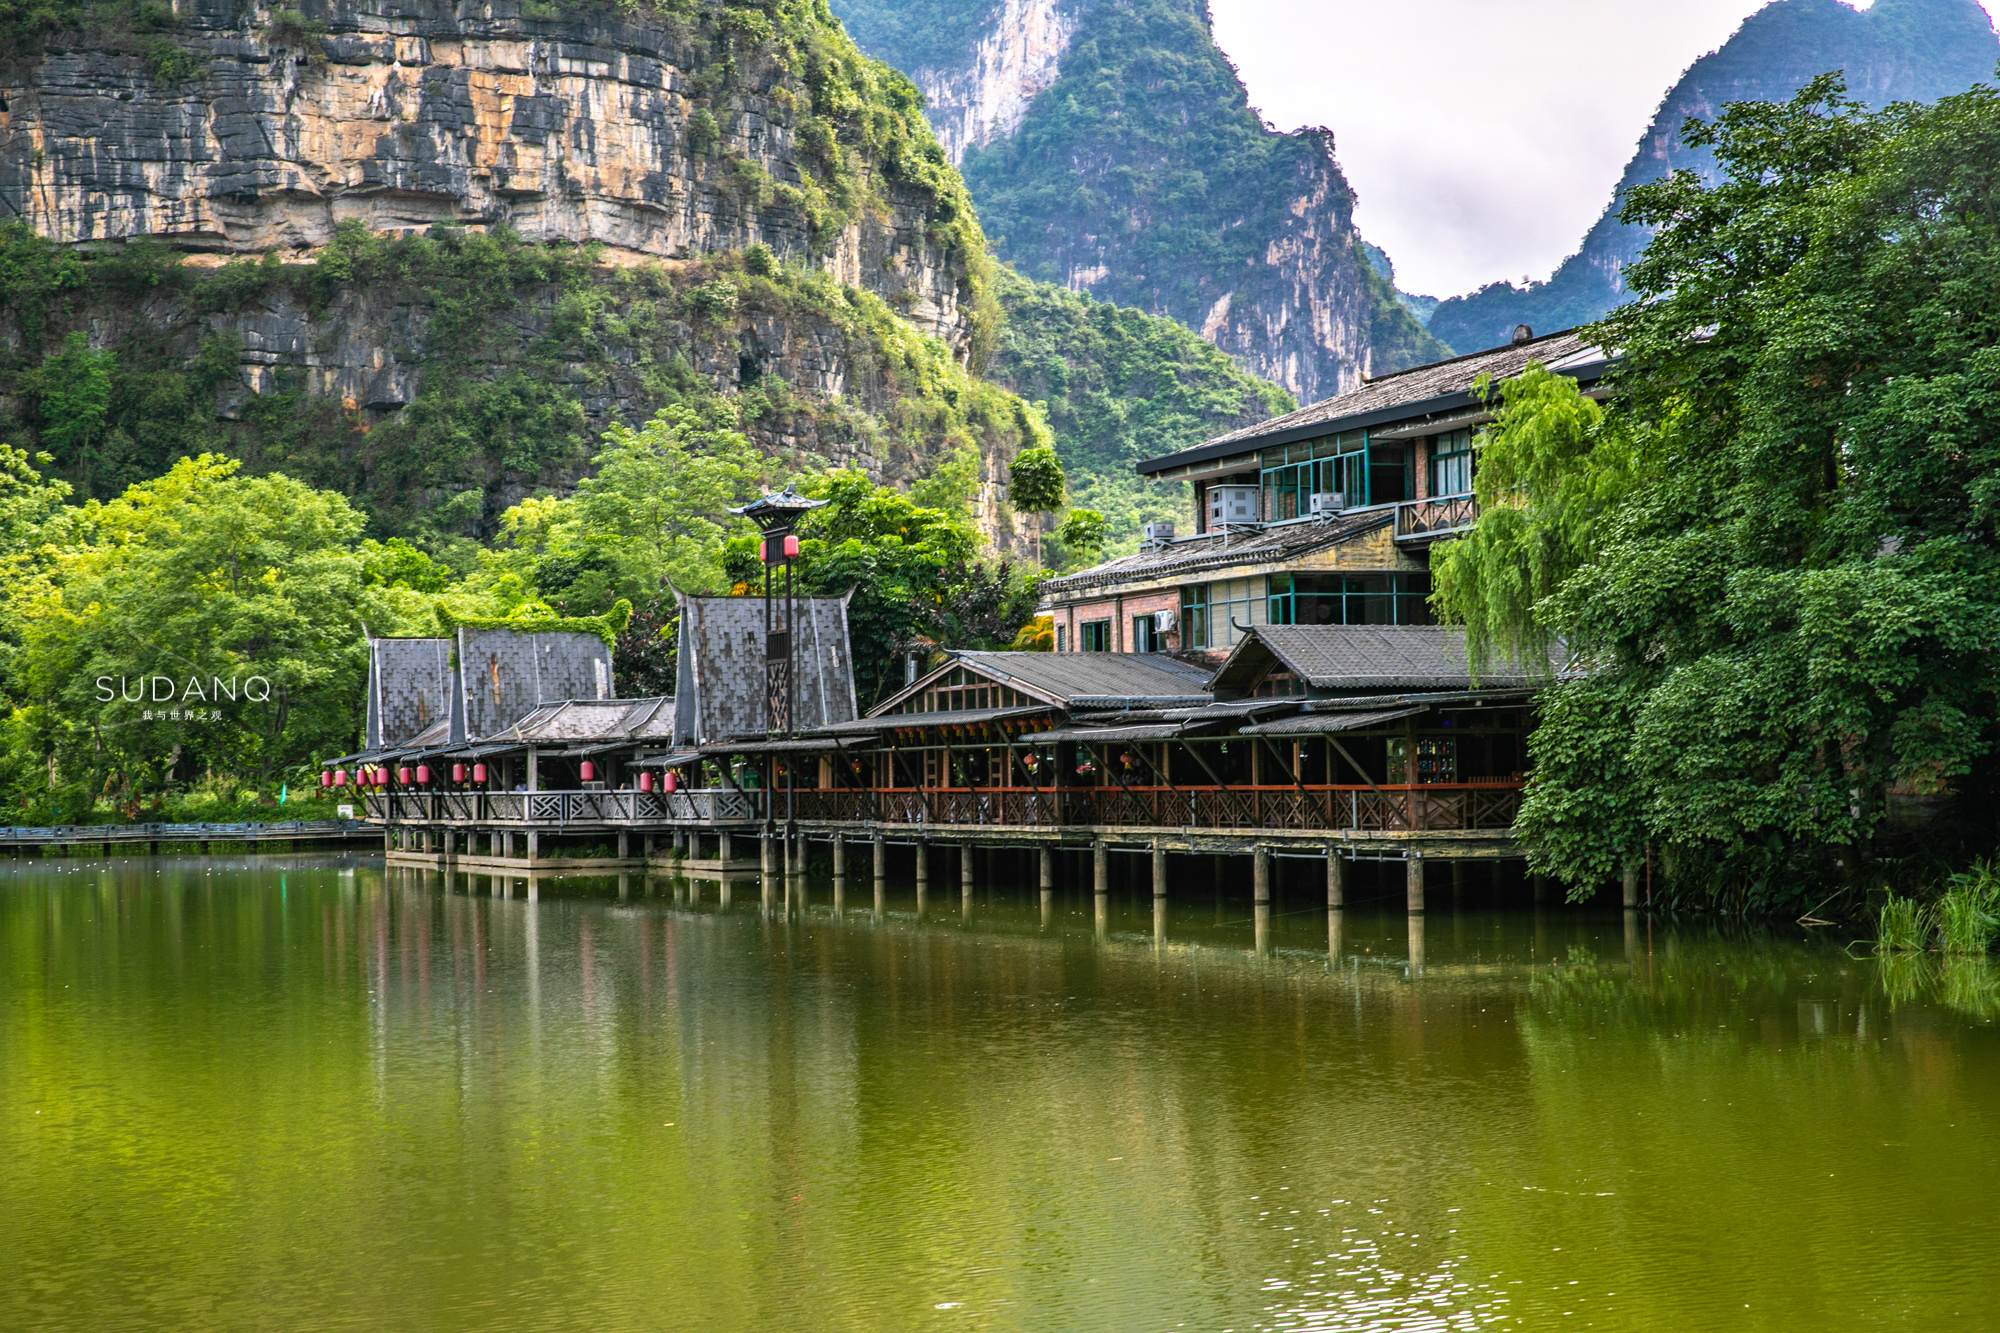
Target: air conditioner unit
{"x":1234,"y":504}
{"x":1328,"y":502}
{"x":1164,"y":621}
{"x":1158,"y":534}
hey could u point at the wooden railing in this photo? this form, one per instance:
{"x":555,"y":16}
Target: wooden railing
{"x":1469,"y":805}
{"x":1427,"y":520}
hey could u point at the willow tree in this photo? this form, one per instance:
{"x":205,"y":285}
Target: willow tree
{"x":1790,"y":597}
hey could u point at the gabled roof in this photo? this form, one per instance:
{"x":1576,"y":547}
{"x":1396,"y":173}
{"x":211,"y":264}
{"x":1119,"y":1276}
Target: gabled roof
{"x":1367,"y":657}
{"x":409,"y":689}
{"x":504,"y":674}
{"x":1222,"y":549}
{"x":1070,"y":680}
{"x":719,"y":692}
{"x":1441,"y":386}
{"x":574,"y":721}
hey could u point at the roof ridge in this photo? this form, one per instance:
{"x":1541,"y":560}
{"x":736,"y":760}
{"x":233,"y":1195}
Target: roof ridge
{"x":1464,"y":356}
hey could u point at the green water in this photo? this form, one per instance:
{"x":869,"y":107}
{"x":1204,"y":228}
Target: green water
{"x":287,"y":1094}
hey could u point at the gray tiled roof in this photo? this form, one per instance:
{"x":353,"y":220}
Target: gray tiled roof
{"x":1368,"y":657}
{"x":1219,"y":550}
{"x":1420,"y":383}
{"x":409,"y":689}
{"x":577,"y":720}
{"x":1085,"y":680}
{"x":506,"y":673}
{"x":719,"y":692}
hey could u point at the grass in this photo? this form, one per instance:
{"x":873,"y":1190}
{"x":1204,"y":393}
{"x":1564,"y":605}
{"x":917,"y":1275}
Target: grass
{"x":1904,"y":926}
{"x":1968,"y":915}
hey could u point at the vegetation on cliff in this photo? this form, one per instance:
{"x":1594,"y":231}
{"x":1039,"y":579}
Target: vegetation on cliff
{"x":1776,"y":553}
{"x":1144,"y":174}
{"x":1116,"y":386}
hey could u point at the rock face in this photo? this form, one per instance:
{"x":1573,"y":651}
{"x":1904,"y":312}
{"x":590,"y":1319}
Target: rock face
{"x":1895,"y":50}
{"x":969,"y":105}
{"x":1111,"y":148}
{"x":410,"y":113}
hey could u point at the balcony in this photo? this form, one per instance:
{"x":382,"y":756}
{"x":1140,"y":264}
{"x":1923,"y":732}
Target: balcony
{"x":1421,"y":522}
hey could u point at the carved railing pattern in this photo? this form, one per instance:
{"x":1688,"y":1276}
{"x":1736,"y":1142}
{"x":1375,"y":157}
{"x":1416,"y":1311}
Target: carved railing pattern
{"x":1483,"y":805}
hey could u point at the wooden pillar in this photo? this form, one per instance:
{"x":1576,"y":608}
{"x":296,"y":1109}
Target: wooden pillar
{"x":1159,"y":872}
{"x":839,"y":857}
{"x":534,"y":851}
{"x":1100,"y":868}
{"x":624,"y":845}
{"x":1631,"y":884}
{"x":722,"y":848}
{"x":923,"y":872}
{"x":1336,"y":879}
{"x":1260,"y":874}
{"x":1413,"y":881}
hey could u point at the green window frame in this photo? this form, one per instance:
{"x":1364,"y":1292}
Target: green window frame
{"x":1451,"y":464}
{"x":1094,"y":636}
{"x":1194,"y":616}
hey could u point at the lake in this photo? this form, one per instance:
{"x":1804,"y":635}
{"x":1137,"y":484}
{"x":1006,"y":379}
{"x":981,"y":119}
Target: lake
{"x":311,"y":1092}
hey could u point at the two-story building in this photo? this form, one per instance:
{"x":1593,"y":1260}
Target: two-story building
{"x":1323,"y":516}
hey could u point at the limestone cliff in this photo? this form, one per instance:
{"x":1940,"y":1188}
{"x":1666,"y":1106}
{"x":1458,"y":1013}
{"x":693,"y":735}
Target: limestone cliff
{"x":669,"y":134}
{"x":1140,"y":173}
{"x":978,"y":91}
{"x":426,"y":253}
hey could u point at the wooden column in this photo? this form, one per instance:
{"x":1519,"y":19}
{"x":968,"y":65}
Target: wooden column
{"x":1159,"y":871}
{"x":1413,"y":881}
{"x":1336,"y":879}
{"x":1631,"y":884}
{"x":1260,"y":874}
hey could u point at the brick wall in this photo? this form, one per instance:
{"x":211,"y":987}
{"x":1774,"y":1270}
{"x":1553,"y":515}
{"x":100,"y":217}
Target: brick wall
{"x":1120,"y":612}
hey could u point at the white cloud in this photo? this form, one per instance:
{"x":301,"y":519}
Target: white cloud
{"x":1483,"y":136}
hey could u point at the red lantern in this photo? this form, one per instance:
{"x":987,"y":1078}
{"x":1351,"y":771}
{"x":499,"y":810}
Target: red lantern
{"x":589,"y":770}
{"x":479,"y":773}
{"x":763,"y":553}
{"x":645,"y":782}
{"x":403,"y":775}
{"x":458,"y":772}
{"x":423,"y":775}
{"x":325,"y":778}
{"x":671,"y":782}
{"x":791,"y":547}
{"x":340,"y":777}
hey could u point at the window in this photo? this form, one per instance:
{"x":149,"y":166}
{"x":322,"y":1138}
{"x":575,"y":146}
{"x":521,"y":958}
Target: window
{"x":1292,"y":474}
{"x":1062,"y":638}
{"x":1095,"y":635}
{"x":1283,"y":600}
{"x":1194,"y":617}
{"x":1353,"y":599}
{"x":1451,"y":464}
{"x":1146,"y":638}
{"x":1231,"y":603}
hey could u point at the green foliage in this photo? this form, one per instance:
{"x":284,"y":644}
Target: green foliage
{"x":1116,"y":386}
{"x":539,"y":618}
{"x":71,"y":391}
{"x":199,"y":575}
{"x":1903,"y":926}
{"x":1968,"y":912}
{"x":1548,"y":473}
{"x":1146,"y":162}
{"x":1035,"y":481}
{"x":918,"y":35}
{"x":172,"y":64}
{"x":1084,"y":531}
{"x":1799,"y":604}
{"x":702,"y":131}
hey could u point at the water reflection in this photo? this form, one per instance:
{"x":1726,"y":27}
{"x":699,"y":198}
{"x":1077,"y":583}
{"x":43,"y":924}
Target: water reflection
{"x":301,"y":1093}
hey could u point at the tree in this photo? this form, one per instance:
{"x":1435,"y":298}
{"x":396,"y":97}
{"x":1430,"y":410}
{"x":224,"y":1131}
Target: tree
{"x":1084,"y":532}
{"x":1796,"y":604}
{"x":1035,"y":484}
{"x":204,"y":619}
{"x":1550,"y":470}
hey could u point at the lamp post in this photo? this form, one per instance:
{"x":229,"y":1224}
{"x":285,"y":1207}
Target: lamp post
{"x":777,"y":516}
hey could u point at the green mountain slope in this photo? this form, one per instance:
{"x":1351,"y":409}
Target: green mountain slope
{"x":1118,"y":385}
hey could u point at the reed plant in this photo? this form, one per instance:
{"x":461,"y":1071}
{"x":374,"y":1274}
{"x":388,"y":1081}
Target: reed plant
{"x":1904,"y":925}
{"x":1968,"y":915}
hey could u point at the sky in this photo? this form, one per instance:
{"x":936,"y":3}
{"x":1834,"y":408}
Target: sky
{"x":1483,"y":136}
